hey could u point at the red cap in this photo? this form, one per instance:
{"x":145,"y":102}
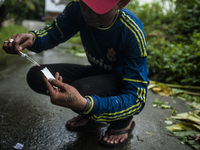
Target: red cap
{"x":101,"y":6}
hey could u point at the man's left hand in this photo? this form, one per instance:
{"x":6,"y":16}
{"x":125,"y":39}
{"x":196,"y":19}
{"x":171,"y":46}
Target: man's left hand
{"x":64,"y":94}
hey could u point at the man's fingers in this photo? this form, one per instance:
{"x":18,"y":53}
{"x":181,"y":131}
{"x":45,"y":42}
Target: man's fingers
{"x":58,"y":84}
{"x":60,"y":78}
{"x":8,"y":47}
{"x":20,"y":41}
{"x":49,"y":86}
{"x":57,"y":75}
{"x":27,"y":43}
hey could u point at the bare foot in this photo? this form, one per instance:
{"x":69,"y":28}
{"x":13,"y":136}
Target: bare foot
{"x":114,"y":139}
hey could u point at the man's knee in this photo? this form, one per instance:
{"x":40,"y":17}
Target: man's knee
{"x":83,"y":88}
{"x":35,"y":80}
{"x":86,"y":87}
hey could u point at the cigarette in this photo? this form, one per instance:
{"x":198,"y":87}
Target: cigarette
{"x":9,"y":41}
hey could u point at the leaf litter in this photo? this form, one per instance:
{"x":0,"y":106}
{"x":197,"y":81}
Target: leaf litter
{"x":186,"y":126}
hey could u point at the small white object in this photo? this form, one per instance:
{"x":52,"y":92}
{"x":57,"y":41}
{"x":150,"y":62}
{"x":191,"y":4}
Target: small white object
{"x":47,"y":73}
{"x":11,"y":40}
{"x":18,"y":146}
{"x":22,"y":54}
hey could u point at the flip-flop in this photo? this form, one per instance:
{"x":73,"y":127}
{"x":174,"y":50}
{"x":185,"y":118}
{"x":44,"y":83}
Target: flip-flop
{"x":78,"y":128}
{"x":120,"y":144}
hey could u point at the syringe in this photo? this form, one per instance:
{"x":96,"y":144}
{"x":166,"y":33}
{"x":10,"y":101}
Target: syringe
{"x":23,"y":54}
{"x":30,"y":59}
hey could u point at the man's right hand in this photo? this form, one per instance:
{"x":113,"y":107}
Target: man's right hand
{"x":21,"y":41}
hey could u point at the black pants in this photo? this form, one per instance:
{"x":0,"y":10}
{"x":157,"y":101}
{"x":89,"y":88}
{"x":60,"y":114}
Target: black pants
{"x":86,"y":79}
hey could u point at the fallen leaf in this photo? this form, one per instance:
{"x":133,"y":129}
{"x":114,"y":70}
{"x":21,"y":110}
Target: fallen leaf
{"x":150,"y":86}
{"x":179,"y":127}
{"x":188,"y":116}
{"x":150,"y":133}
{"x":156,"y":89}
{"x":166,"y":106}
{"x":168,"y":122}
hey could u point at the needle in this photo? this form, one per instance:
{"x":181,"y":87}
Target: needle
{"x":30,"y":59}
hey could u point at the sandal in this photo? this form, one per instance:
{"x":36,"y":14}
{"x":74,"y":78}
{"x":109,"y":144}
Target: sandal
{"x":78,"y":128}
{"x":119,"y":144}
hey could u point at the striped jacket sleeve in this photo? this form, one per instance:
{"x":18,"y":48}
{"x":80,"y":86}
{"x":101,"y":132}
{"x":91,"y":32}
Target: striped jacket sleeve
{"x":130,"y":101}
{"x":61,"y":29}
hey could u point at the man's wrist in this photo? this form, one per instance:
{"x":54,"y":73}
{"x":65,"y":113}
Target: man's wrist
{"x":88,"y":104}
{"x":34,"y":36}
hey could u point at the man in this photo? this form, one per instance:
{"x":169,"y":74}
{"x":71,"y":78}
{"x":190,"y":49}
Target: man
{"x":114,"y":87}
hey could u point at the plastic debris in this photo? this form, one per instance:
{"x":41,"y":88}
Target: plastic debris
{"x":18,"y":146}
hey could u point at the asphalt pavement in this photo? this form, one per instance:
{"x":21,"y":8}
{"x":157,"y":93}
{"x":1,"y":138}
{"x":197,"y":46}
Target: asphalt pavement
{"x":30,"y":119}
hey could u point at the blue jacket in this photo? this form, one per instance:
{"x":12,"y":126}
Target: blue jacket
{"x":119,"y":48}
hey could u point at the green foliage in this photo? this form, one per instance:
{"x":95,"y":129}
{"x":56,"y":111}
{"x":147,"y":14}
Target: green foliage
{"x":175,"y":62}
{"x":24,"y":9}
{"x":182,"y":94}
{"x":160,"y":104}
{"x":7,"y":31}
{"x":76,"y":39}
{"x":155,"y":15}
{"x":173,"y":39}
{"x":188,"y":18}
{"x":188,"y":137}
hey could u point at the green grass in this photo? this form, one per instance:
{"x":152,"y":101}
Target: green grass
{"x":7,"y":32}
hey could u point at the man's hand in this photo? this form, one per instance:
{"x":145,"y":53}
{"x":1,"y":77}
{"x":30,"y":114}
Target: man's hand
{"x":65,"y":95}
{"x":21,"y":41}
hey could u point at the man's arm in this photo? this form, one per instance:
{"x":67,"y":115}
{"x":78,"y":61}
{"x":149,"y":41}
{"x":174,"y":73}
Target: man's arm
{"x":62,"y":28}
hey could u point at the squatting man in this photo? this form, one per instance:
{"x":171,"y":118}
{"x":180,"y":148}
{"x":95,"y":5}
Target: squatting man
{"x":113,"y":87}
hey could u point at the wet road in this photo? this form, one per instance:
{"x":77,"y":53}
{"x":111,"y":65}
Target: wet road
{"x":29,"y":118}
